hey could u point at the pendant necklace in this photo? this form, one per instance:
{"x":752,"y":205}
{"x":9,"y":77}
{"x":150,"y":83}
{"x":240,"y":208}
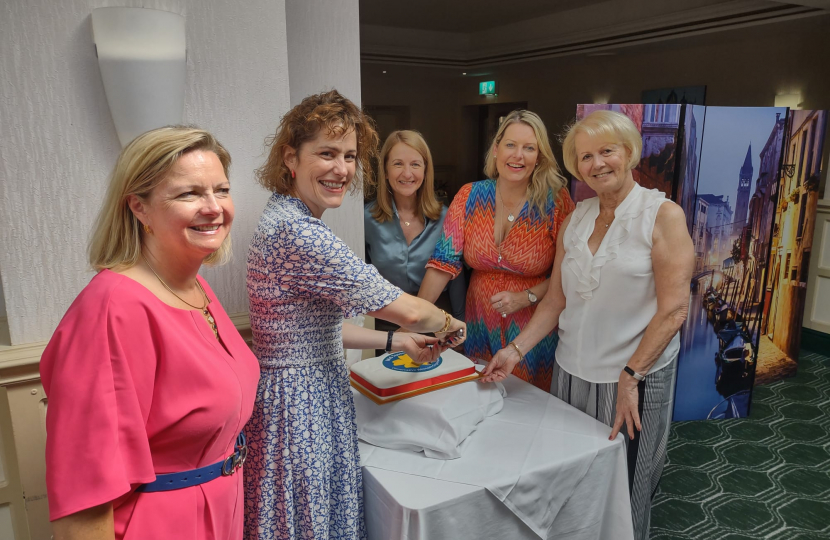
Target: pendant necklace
{"x":203,"y":309}
{"x":510,"y":216}
{"x":610,"y":222}
{"x":407,"y":223}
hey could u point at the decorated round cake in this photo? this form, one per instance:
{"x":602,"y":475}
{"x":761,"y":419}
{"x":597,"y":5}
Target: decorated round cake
{"x":396,"y":375}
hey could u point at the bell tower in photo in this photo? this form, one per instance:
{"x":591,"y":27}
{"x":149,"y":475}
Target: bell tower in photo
{"x":742,"y":201}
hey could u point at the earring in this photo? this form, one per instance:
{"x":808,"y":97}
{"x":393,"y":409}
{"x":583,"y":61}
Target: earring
{"x":147,"y":229}
{"x":293,"y":174}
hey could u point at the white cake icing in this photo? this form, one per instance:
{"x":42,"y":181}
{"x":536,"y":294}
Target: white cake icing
{"x":397,"y":369}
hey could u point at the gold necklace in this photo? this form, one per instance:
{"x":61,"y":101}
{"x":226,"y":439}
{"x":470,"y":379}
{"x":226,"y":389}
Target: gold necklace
{"x":407,"y":223}
{"x":203,"y":309}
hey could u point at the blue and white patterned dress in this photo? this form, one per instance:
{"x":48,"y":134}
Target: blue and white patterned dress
{"x":302,"y":476}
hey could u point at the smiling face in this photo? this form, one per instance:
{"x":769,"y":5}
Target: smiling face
{"x":190,"y":212}
{"x":516,"y":153}
{"x":405,"y":169}
{"x":602,"y":164}
{"x":324,"y":169}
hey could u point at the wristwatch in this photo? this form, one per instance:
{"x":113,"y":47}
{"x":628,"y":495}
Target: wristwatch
{"x":532,"y":298}
{"x":634,"y":373}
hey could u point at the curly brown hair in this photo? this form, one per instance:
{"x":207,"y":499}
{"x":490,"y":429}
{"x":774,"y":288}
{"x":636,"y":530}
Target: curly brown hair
{"x":332,"y":112}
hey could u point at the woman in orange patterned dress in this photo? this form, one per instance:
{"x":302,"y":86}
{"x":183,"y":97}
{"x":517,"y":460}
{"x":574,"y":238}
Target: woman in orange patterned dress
{"x":505,"y":228}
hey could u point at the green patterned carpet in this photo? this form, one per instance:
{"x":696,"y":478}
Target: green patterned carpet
{"x":763,"y":477}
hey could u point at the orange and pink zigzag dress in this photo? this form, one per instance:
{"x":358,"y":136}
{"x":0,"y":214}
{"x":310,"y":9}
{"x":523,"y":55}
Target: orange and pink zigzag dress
{"x":527,"y":258}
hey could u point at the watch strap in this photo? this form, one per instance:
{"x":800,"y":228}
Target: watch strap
{"x":389,"y":341}
{"x":634,"y":373}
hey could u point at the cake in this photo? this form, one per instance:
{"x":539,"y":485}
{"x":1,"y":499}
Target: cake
{"x":395,"y":376}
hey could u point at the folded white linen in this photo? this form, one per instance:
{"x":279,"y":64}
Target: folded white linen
{"x":534,"y":457}
{"x":436,"y":423}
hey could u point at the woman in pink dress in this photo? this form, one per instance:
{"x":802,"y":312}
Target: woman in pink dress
{"x":149,"y":383}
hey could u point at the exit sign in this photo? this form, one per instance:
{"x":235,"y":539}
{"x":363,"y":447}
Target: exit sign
{"x":487,"y":88}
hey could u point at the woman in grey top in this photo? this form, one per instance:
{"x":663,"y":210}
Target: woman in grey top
{"x":405,"y":222}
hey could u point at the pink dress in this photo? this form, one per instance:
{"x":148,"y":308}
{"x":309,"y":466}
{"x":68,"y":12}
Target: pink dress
{"x":136,"y":388}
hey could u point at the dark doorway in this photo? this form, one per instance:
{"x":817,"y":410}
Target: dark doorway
{"x":389,"y":119}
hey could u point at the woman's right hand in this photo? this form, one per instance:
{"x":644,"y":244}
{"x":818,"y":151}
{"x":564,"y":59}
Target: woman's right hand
{"x":500,"y":366}
{"x":420,"y":348}
{"x":455,"y":334}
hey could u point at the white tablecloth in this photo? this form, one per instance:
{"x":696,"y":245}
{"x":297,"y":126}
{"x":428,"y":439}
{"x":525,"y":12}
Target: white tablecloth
{"x":538,"y":469}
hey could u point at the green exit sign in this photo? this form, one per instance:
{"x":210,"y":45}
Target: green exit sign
{"x":487,"y":88}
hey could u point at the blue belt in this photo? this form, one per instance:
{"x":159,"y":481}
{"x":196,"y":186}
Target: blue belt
{"x":194,"y":477}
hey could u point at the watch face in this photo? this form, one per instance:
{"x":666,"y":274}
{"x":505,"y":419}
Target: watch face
{"x":531,"y":297}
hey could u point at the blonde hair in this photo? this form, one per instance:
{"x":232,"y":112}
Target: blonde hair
{"x":546,"y":176}
{"x":609,"y":125}
{"x":330,"y":111}
{"x":427,"y":204}
{"x":142,"y":165}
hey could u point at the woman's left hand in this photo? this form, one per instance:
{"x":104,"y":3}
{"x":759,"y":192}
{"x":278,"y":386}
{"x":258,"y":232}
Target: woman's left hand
{"x":507,"y":302}
{"x":417,"y":346}
{"x":628,"y":397}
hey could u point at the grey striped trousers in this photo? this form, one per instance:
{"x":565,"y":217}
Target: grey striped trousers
{"x":647,"y":450}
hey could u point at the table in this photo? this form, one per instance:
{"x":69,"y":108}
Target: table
{"x":538,"y":469}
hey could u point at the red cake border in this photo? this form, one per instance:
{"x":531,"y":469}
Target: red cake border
{"x":416,"y":385}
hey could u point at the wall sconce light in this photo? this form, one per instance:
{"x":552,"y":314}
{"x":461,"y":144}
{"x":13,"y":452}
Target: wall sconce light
{"x":142,"y":56}
{"x":792,"y":100}
{"x":601,"y":99}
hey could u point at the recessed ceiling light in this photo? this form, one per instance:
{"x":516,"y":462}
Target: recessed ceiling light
{"x":384,"y":71}
{"x":464,"y":73}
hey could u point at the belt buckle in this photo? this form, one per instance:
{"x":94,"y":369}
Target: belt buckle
{"x":229,"y":465}
{"x":235,"y":460}
{"x":240,"y":457}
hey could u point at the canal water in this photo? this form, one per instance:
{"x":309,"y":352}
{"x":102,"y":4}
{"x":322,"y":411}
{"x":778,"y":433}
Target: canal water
{"x":695,"y":394}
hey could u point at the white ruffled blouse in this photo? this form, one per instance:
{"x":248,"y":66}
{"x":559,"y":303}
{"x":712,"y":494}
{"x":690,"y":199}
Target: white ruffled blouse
{"x":610,"y":295}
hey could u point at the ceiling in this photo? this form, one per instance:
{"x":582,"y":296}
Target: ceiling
{"x":463,"y":16}
{"x":470,"y":35}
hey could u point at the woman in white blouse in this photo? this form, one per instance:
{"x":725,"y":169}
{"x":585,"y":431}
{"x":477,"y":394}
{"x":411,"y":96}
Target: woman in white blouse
{"x":619,"y":292}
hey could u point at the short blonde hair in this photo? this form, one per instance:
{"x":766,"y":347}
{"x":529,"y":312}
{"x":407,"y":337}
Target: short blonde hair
{"x":330,"y":111}
{"x":427,"y":204}
{"x":546,"y":176}
{"x":610,"y":125}
{"x":142,"y":165}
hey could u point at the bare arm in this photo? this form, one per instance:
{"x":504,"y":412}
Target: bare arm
{"x":419,"y":347}
{"x":672,"y":259}
{"x":434,"y":283}
{"x":94,"y":523}
{"x":418,"y":315}
{"x":545,"y":319}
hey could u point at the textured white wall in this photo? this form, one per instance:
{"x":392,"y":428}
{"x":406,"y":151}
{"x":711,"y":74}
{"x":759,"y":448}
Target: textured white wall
{"x":59,"y":144}
{"x":324,"y":53}
{"x":2,"y":298}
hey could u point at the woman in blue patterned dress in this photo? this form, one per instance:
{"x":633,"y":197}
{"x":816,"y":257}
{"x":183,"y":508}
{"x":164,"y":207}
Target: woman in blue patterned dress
{"x":302,"y":477}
